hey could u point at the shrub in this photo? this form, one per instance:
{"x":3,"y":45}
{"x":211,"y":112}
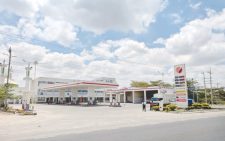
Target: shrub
{"x":197,"y":105}
{"x":200,"y":106}
{"x":155,"y":108}
{"x":170,"y":107}
{"x":190,"y":107}
{"x":205,"y":106}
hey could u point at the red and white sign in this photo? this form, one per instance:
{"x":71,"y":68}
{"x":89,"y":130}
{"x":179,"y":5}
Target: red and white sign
{"x":179,"y":70}
{"x":181,"y":86}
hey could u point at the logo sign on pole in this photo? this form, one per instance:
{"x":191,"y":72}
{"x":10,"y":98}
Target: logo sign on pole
{"x":181,"y":86}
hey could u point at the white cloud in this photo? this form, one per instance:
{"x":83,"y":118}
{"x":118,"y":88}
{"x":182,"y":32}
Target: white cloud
{"x":176,"y":18}
{"x":159,"y":41}
{"x":100,"y":16}
{"x":56,"y":21}
{"x":195,"y":6}
{"x":103,"y":50}
{"x":48,"y":30}
{"x":43,"y":30}
{"x":50,"y":64}
{"x":210,"y":12}
{"x":201,"y":41}
{"x":143,"y":65}
{"x":200,"y":44}
{"x":23,"y":8}
{"x":5,"y":33}
{"x":131,"y":51}
{"x":97,"y":16}
{"x":60,"y":31}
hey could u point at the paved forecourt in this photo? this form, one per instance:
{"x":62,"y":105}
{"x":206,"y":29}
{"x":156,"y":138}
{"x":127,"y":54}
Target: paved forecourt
{"x":54,"y":120}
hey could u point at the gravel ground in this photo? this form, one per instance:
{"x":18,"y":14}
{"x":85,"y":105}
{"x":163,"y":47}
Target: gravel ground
{"x":53,"y":120}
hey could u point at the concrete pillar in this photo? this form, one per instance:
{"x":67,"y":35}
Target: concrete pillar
{"x":133,"y":96}
{"x":91,"y":94}
{"x":145,"y":96}
{"x":124,"y":96}
{"x":118,"y":97}
{"x":74,"y":95}
{"x":110,"y":97}
{"x":104,"y":96}
{"x":61,"y":95}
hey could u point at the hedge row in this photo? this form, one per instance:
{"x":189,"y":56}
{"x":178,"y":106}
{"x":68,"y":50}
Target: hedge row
{"x":173,"y":107}
{"x":199,"y":106}
{"x":170,"y":107}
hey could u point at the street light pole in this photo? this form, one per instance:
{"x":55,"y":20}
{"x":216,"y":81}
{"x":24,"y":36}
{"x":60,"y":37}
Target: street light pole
{"x":35,"y":69}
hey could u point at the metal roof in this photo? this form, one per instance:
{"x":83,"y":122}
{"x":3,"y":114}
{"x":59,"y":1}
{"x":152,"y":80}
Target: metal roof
{"x":82,"y":83}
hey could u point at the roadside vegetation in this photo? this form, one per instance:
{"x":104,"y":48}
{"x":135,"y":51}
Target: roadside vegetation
{"x":150,"y":84}
{"x":6,"y":93}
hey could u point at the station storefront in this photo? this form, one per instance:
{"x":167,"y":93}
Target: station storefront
{"x":77,"y":92}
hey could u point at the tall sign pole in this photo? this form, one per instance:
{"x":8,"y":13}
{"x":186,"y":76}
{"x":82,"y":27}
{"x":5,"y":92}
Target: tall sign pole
{"x":181,"y":86}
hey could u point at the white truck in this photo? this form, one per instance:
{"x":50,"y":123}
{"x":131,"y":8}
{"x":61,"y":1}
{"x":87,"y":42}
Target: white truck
{"x":167,"y":97}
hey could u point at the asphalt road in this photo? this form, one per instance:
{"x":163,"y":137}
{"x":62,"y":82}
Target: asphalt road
{"x":208,"y":129}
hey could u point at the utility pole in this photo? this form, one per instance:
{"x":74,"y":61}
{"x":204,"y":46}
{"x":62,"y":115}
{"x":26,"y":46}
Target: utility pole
{"x":9,"y":66}
{"x":197,"y":96}
{"x":3,"y":67}
{"x":162,"y":81}
{"x":217,"y":85}
{"x":206,"y":101}
{"x":2,"y":73}
{"x":7,"y":81}
{"x":162,"y":77}
{"x":211,"y":91}
{"x":193,"y":93}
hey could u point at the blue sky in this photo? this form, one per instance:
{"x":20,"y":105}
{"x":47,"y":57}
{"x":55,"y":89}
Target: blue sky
{"x":164,"y":26}
{"x":110,"y":33}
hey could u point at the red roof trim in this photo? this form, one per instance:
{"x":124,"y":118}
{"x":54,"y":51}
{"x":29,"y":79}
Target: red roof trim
{"x":99,"y":83}
{"x":74,"y":84}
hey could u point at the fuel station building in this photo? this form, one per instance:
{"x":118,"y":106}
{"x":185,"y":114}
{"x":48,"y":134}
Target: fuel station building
{"x":137,"y":95}
{"x":78,"y":91}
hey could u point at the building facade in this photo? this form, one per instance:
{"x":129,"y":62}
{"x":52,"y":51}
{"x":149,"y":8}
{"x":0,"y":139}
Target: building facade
{"x":52,"y":90}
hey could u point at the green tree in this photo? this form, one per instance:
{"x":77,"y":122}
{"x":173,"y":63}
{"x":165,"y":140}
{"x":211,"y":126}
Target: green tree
{"x":6,"y":92}
{"x":151,"y":84}
{"x":191,"y":88}
{"x":160,"y":83}
{"x":155,"y":83}
{"x":3,"y":92}
{"x":219,"y":96}
{"x":139,"y":84}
